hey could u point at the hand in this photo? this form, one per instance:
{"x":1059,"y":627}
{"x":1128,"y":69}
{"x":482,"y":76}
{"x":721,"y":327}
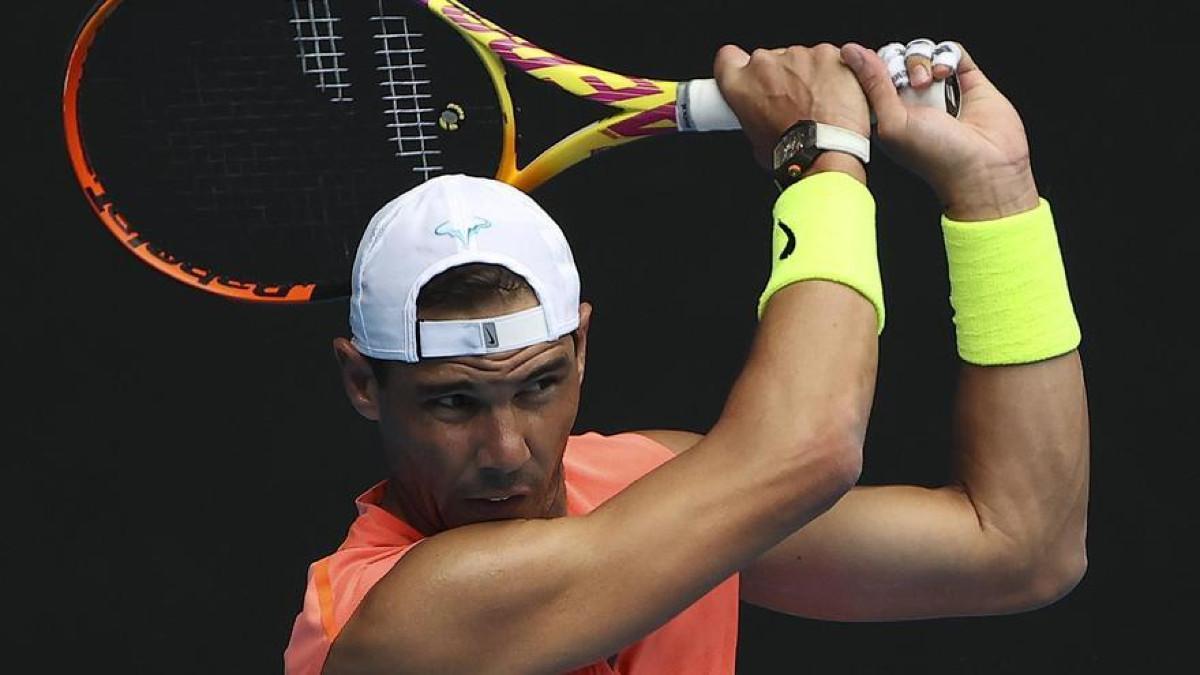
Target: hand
{"x":978,"y":164}
{"x":772,"y":89}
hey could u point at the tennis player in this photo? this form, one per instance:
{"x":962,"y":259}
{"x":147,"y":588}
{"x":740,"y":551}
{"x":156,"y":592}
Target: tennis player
{"x":501,"y":543}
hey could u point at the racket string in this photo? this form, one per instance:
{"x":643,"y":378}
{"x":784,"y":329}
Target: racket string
{"x":326,"y":46}
{"x":408,"y":124}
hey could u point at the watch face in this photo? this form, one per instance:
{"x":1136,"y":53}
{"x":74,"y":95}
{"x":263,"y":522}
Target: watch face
{"x":797,"y":144}
{"x":786,"y":147}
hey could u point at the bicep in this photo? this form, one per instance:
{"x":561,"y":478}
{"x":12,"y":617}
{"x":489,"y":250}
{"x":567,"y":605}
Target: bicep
{"x":890,"y":552}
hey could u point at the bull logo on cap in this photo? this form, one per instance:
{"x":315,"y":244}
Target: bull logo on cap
{"x":456,"y":231}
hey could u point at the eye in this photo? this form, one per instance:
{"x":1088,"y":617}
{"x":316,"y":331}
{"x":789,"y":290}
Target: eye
{"x":452,"y":402}
{"x":542,"y":385}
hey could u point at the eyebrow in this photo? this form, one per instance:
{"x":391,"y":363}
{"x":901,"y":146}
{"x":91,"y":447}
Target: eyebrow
{"x":441,"y":388}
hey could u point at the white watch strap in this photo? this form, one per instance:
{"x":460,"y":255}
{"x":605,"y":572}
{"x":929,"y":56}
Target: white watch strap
{"x":830,"y":137}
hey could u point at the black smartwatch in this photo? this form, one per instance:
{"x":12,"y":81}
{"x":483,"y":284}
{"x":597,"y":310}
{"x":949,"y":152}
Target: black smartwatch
{"x":804,"y":141}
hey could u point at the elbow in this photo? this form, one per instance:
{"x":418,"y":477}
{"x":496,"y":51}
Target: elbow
{"x":844,"y":447}
{"x":807,"y":465}
{"x":1048,"y":579}
{"x":834,"y":461}
{"x":1061,"y":565}
{"x":1057,"y":578}
{"x":846,"y":464}
{"x":845,"y":443}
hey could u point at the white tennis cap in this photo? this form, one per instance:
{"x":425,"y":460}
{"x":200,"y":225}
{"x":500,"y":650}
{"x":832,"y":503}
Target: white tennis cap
{"x":448,"y":221}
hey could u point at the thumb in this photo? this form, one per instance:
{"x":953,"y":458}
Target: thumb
{"x":729,"y":58}
{"x":873,"y":77}
{"x":971,"y":80}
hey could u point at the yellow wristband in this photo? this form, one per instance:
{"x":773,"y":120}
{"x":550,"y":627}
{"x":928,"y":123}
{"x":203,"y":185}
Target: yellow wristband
{"x":825,"y":229}
{"x":1009,"y":290}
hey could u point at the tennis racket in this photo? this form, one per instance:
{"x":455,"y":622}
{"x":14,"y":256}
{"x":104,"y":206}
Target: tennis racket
{"x":241,"y":146}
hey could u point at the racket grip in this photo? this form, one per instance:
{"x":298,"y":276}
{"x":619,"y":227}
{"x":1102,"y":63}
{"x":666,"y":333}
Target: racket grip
{"x":699,"y":105}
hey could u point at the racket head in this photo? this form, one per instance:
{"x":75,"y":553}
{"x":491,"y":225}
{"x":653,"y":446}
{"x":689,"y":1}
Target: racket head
{"x":242,"y":147}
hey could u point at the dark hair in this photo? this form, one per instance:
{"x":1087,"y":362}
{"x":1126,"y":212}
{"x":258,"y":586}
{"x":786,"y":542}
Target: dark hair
{"x":464,"y":287}
{"x":468,"y":286}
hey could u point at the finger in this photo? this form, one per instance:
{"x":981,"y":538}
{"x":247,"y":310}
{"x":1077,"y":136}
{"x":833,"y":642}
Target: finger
{"x":946,"y":57}
{"x":877,"y":83}
{"x":918,"y":55}
{"x":892,"y":55}
{"x":971,"y":79}
{"x":729,"y":59}
{"x":966,"y":64}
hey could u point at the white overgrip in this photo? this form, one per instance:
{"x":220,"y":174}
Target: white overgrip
{"x":699,"y":105}
{"x":937,"y":95}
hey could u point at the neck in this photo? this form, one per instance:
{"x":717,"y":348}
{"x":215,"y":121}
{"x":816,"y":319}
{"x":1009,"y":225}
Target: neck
{"x":394,"y":505}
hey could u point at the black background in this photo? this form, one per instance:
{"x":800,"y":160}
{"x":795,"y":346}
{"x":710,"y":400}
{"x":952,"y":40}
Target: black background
{"x":176,"y":460}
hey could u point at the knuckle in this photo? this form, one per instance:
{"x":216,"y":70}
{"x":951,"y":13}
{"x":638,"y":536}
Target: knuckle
{"x":826,"y":50}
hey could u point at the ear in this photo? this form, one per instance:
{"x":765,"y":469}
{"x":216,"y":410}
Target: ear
{"x":585,"y":321}
{"x":358,"y":379}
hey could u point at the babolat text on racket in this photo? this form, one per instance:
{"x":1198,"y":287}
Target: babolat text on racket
{"x":241,"y":146}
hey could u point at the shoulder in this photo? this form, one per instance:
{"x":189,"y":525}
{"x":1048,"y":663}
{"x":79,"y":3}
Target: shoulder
{"x":597,"y":466}
{"x":675,"y":441}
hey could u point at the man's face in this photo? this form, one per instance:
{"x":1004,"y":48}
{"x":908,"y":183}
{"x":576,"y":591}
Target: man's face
{"x":476,"y":438}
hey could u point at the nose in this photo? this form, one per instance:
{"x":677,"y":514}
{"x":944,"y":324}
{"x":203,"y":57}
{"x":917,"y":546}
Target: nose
{"x":502,"y":446}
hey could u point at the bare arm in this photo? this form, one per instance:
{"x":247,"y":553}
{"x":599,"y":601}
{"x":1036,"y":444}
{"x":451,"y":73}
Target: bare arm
{"x":1006,"y":536}
{"x":547,"y":595}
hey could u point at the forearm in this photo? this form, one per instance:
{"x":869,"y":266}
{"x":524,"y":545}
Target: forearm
{"x":1022,"y":439}
{"x":811,"y":370}
{"x":1021,"y":427}
{"x":812,"y":366}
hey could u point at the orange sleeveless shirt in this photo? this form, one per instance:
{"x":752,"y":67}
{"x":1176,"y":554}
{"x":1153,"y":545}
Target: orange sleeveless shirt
{"x":700,"y":640}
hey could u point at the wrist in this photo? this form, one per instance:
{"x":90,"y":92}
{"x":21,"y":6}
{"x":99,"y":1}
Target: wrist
{"x":992,"y":196}
{"x":809,"y":147}
{"x":834,"y":160}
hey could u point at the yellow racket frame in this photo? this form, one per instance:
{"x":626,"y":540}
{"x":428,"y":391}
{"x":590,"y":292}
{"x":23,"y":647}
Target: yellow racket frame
{"x":648,"y":106}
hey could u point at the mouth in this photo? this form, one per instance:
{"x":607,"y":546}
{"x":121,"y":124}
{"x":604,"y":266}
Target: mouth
{"x":492,"y":507}
{"x":503,"y":501}
{"x":501,"y":495}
